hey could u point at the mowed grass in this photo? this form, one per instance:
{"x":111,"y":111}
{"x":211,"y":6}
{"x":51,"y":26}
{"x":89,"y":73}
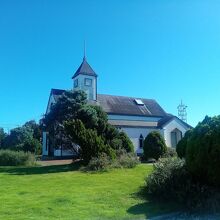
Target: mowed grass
{"x":63,"y":192}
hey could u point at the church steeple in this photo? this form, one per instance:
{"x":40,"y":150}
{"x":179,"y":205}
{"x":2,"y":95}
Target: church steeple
{"x":84,"y":69}
{"x":85,"y":79}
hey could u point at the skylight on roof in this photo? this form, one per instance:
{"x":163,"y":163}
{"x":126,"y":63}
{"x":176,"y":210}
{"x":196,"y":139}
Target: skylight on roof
{"x":138,"y":102}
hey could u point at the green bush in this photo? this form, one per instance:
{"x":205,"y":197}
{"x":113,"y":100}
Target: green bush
{"x":154,"y":145}
{"x":101,"y":163}
{"x":182,"y":144}
{"x":15,"y":158}
{"x":125,"y":160}
{"x":122,"y":141}
{"x":171,"y":181}
{"x":126,"y":142}
{"x":91,"y":144}
{"x":203,"y":151}
{"x":171,"y":152}
{"x":167,"y":174}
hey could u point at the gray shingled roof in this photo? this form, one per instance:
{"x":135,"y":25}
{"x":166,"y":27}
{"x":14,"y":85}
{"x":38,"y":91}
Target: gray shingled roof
{"x":162,"y":122}
{"x":85,"y":69}
{"x":126,"y":106}
{"x":123,"y":105}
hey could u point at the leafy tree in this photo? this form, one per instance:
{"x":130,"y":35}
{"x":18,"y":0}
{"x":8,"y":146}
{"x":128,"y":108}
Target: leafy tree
{"x":154,"y":145}
{"x":32,"y":125}
{"x":23,"y":139}
{"x":66,"y":108}
{"x":2,"y":136}
{"x":72,"y":119}
{"x":18,"y":136}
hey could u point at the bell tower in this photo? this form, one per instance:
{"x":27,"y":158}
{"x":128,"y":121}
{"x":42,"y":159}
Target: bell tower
{"x":85,"y":79}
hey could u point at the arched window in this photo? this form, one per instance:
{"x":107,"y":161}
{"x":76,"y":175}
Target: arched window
{"x":141,"y":141}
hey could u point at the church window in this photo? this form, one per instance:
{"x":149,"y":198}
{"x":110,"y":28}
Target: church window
{"x":141,"y":141}
{"x":88,"y":82}
{"x":76,"y":83}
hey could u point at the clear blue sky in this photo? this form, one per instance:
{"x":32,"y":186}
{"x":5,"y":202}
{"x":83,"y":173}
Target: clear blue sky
{"x":163,"y":49}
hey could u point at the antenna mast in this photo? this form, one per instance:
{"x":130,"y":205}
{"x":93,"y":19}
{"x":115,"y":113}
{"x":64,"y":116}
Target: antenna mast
{"x":182,"y":114}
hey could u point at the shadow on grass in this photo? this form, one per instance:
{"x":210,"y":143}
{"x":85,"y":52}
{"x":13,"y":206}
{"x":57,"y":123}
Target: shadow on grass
{"x":152,"y":207}
{"x":41,"y":169}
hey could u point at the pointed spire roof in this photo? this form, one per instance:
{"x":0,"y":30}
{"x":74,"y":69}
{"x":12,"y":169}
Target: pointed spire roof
{"x":85,"y":69}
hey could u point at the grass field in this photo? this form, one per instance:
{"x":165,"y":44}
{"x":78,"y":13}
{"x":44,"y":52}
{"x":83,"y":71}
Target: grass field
{"x":63,"y":192}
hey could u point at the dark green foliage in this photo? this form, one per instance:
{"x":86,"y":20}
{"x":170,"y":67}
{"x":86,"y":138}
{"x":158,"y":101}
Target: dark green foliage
{"x":90,"y":143}
{"x":203,"y":151}
{"x":17,"y":136}
{"x":88,"y":115}
{"x":171,"y":152}
{"x":102,"y":119}
{"x":15,"y":158}
{"x":33,"y":146}
{"x":74,"y":121}
{"x":182,"y":144}
{"x":66,"y":108}
{"x":121,"y":141}
{"x":127,"y":145}
{"x":154,"y":145}
{"x":2,"y":137}
{"x":171,"y":181}
{"x":25,"y":138}
{"x":110,"y":132}
{"x":35,"y":127}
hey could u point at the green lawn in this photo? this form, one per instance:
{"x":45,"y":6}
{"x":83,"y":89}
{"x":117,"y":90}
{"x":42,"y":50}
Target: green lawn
{"x":63,"y":192}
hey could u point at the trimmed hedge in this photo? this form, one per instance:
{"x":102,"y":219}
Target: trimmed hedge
{"x":154,"y":145}
{"x":15,"y":158}
{"x":203,"y":151}
{"x":182,"y":144}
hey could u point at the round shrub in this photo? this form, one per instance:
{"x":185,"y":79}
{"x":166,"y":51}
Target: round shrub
{"x":181,"y":146}
{"x":154,"y":145}
{"x":15,"y":158}
{"x":203,"y":151}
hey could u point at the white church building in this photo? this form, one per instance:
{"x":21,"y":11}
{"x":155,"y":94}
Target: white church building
{"x":137,"y":117}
